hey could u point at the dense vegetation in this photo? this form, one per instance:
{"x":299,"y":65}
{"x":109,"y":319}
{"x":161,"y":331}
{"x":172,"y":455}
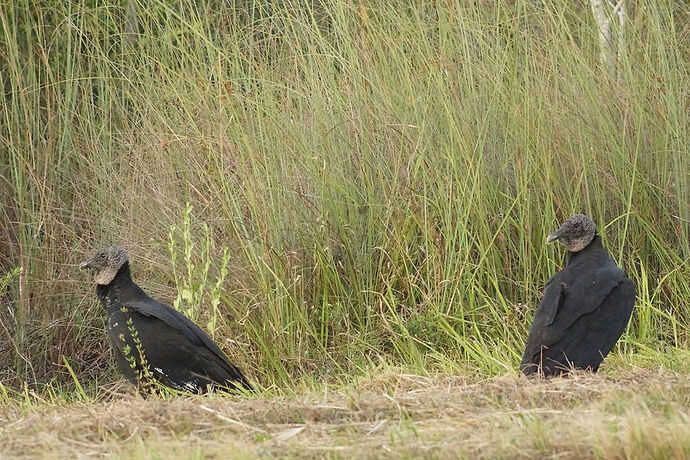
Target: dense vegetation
{"x":330,"y":187}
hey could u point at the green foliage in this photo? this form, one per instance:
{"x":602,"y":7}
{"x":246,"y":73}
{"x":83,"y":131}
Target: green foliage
{"x":193,"y":279}
{"x":370,"y":182}
{"x":7,"y":279}
{"x":145,"y":379}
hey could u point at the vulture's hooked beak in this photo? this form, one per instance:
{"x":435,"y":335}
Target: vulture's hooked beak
{"x":554,"y":236}
{"x":84,"y":265}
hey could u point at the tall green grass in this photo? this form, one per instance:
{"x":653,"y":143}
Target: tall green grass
{"x":378,"y":178}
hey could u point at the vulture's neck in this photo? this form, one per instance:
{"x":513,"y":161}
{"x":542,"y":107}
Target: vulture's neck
{"x":593,"y":249}
{"x":122,"y":280}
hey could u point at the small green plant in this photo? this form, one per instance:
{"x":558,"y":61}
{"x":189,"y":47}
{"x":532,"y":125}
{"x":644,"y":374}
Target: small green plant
{"x":147,"y":382}
{"x":216,"y":292}
{"x":7,"y":279}
{"x":191,"y":269}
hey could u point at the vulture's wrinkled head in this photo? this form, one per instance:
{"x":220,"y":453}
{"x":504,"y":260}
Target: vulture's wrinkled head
{"x":105,"y":263}
{"x":575,"y":233}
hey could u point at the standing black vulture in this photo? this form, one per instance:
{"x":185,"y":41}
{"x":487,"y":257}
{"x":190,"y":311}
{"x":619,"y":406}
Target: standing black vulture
{"x":585,"y":309}
{"x":153,"y":342}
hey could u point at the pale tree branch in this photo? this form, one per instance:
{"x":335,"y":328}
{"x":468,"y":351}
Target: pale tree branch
{"x":606,"y":54}
{"x":620,"y":11}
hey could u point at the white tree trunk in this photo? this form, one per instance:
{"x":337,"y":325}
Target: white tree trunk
{"x":610,"y":58}
{"x":621,"y":38}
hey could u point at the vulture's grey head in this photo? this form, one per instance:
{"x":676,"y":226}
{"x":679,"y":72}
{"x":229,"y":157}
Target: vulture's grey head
{"x":105,"y":263}
{"x":575,"y":233}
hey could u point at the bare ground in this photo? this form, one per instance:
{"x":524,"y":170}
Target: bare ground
{"x":642,"y":415}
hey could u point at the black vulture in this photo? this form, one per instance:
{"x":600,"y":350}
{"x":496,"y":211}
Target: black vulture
{"x":153,"y":342}
{"x":585,"y":308}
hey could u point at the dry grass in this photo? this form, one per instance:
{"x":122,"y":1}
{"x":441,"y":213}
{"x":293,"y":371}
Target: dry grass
{"x":642,"y":415}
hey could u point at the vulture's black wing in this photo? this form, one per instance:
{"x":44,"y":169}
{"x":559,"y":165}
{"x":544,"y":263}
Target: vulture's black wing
{"x":581,"y":297}
{"x":145,"y":305}
{"x":596,"y":333}
{"x":568,"y":296}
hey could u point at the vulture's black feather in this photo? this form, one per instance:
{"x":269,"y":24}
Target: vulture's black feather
{"x":153,"y":342}
{"x":585,"y":308}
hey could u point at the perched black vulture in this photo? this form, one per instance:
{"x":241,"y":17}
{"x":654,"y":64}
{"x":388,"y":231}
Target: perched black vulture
{"x":153,"y":342}
{"x":585,"y":309}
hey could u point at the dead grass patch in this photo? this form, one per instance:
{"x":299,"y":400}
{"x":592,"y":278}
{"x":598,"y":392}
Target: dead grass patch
{"x":642,"y":415}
